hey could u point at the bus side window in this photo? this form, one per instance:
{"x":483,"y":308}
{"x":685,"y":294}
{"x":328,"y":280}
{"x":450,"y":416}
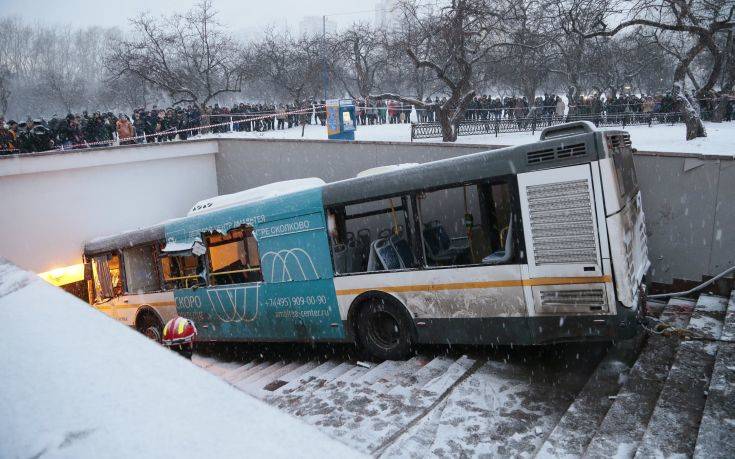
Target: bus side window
{"x":233,"y":257}
{"x":106,"y":275}
{"x":373,"y":236}
{"x":469,"y":224}
{"x":141,"y":272}
{"x":181,"y":271}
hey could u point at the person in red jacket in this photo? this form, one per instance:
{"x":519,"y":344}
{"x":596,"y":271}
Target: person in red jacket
{"x":179,"y":335}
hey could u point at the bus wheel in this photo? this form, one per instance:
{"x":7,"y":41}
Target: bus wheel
{"x":150,"y":327}
{"x":384,"y":330}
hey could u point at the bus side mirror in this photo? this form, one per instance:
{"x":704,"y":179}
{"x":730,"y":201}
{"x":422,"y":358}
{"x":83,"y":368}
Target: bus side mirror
{"x":88,"y":271}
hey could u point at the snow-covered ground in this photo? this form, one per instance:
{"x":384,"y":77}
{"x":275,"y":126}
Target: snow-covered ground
{"x":720,"y":138}
{"x":77,"y":384}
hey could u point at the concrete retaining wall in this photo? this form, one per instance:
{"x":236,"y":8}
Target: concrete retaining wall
{"x":689,"y":201}
{"x":53,"y":202}
{"x":244,"y":164}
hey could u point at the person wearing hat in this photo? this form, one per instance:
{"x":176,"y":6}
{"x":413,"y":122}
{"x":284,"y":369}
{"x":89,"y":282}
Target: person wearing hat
{"x":6,"y":138}
{"x":179,"y":335}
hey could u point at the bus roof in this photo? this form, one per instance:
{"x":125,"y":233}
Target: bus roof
{"x":126,"y":239}
{"x":252,"y":195}
{"x":570,"y":148}
{"x":566,"y":150}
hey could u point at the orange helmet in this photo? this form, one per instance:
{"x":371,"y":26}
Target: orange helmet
{"x":179,"y":332}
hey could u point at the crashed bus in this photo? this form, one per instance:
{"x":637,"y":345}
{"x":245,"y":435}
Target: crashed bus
{"x":532,"y":244}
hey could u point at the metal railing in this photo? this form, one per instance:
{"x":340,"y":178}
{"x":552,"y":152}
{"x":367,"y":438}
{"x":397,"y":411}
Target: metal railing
{"x":499,"y":125}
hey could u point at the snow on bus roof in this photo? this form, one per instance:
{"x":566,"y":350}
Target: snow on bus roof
{"x":384,"y":169}
{"x":260,"y":193}
{"x":76,"y":383}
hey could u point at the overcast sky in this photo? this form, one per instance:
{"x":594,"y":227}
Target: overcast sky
{"x":241,"y":16}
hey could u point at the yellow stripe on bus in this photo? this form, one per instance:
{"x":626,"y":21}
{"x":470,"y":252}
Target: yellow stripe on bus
{"x":485,"y":284}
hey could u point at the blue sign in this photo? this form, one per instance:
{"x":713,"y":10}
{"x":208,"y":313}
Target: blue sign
{"x":341,"y":120}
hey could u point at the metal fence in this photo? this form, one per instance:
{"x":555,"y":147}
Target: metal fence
{"x":499,"y":125}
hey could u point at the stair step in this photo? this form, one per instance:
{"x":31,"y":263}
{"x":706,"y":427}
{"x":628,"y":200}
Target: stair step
{"x":352,"y":376}
{"x":203,"y":361}
{"x":385,"y":370}
{"x":258,"y":375}
{"x":579,"y":423}
{"x":624,"y":424}
{"x":292,"y":375}
{"x":256,"y":387}
{"x":364,"y":417}
{"x":219,"y":368}
{"x":442,"y":382}
{"x":336,"y":372}
{"x":672,"y":429}
{"x":728,"y":330}
{"x":716,"y":436}
{"x":504,"y":408}
{"x":428,"y":372}
{"x":246,"y":373}
{"x":708,"y":317}
{"x":310,"y":375}
{"x":674,"y":424}
{"x":401,"y":376}
{"x":234,"y":375}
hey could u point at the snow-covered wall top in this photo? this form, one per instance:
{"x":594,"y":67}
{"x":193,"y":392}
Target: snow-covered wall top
{"x":77,"y":384}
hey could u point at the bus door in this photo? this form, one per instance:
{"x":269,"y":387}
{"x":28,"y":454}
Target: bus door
{"x":565,"y":270}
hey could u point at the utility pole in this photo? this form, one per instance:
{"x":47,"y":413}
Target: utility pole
{"x":324,"y":54}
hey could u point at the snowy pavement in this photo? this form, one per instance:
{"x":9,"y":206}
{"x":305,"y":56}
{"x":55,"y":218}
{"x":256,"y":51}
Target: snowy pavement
{"x":77,"y":384}
{"x":659,"y":138}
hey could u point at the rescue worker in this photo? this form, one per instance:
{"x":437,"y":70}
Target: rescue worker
{"x":178,"y":335}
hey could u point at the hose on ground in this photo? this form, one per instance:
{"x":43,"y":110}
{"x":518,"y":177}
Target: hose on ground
{"x":695,"y":289}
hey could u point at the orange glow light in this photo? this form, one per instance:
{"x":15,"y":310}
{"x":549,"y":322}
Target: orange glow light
{"x":64,"y":275}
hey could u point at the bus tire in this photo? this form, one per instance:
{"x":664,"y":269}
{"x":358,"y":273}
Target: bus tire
{"x":150,"y":326}
{"x":384,"y":329}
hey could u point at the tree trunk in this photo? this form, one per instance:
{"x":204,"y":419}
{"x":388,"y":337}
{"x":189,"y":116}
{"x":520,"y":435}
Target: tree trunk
{"x":688,"y":106}
{"x":719,"y":111}
{"x":449,"y":131}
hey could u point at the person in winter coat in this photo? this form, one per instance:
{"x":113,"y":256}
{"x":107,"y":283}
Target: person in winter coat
{"x":559,"y":109}
{"x":7,"y":138}
{"x":124,"y":130}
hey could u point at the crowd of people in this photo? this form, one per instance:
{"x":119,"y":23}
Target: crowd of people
{"x":147,"y":126}
{"x":555,"y":107}
{"x":162,"y":125}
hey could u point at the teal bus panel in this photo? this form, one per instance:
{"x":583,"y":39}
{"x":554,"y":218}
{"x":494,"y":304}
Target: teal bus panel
{"x":296,"y":300}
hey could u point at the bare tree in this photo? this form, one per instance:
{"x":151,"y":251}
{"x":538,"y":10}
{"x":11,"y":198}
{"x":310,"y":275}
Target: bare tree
{"x":459,"y":36}
{"x":4,"y":89}
{"x":700,"y":20}
{"x":361,"y":48}
{"x":190,"y":56}
{"x":293,"y":64}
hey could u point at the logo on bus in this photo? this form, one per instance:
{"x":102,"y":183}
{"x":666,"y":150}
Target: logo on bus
{"x":235,"y":304}
{"x":288,"y":265}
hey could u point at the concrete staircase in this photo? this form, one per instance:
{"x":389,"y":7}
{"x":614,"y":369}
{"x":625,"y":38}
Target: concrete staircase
{"x":656,"y":395}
